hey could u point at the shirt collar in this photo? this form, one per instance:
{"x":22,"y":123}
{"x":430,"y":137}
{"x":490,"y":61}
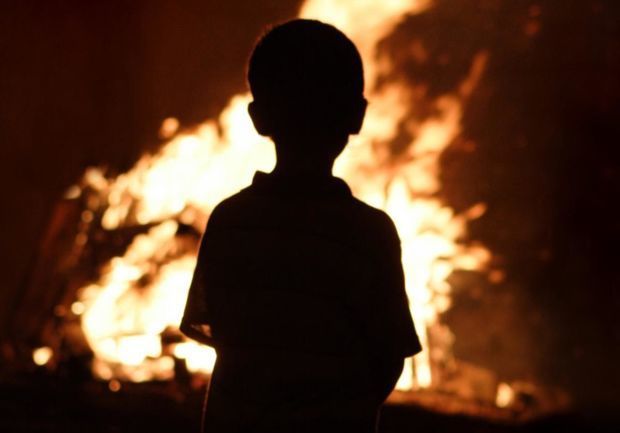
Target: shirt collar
{"x":301,"y":185}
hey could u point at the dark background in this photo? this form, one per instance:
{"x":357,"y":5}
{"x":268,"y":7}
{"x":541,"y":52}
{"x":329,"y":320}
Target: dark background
{"x":88,"y":83}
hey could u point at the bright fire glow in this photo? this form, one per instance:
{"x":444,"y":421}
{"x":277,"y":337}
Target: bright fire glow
{"x":141,"y":294}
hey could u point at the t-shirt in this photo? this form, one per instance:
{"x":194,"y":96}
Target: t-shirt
{"x":299,"y":287}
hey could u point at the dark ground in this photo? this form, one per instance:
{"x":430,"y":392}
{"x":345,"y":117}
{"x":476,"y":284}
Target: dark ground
{"x":44,"y":404}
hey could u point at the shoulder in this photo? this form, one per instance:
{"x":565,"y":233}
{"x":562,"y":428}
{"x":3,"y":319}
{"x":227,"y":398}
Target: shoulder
{"x":379,"y":219}
{"x":369,"y":228}
{"x":232,"y":207}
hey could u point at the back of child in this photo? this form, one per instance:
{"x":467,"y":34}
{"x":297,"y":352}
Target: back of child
{"x":298,"y":285}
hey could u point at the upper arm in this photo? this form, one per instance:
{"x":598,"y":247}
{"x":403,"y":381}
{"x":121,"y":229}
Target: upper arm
{"x":386,"y":306}
{"x":196,"y":317}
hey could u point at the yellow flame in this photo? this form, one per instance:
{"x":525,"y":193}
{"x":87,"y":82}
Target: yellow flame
{"x":195,"y":170}
{"x":198,"y":358}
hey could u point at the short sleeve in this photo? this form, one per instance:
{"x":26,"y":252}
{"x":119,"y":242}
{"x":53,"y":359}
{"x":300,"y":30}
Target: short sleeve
{"x":384,"y":303}
{"x":195,"y":322}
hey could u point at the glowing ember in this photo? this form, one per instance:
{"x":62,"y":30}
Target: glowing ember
{"x":141,"y":294}
{"x":77,"y":308}
{"x":114,"y":385}
{"x":505,"y":395}
{"x":169,"y":127}
{"x":42,"y":355}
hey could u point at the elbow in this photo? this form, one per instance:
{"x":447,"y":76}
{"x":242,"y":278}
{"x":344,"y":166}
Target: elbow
{"x":387,"y":373}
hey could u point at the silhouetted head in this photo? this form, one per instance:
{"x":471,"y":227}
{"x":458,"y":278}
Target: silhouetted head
{"x":307,"y":81}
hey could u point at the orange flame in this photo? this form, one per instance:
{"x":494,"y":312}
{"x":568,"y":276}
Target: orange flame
{"x":196,"y":170}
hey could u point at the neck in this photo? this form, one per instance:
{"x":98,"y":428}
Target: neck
{"x":307,"y":167}
{"x":292,"y":161}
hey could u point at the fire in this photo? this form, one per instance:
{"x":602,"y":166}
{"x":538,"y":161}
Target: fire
{"x":140,"y":294}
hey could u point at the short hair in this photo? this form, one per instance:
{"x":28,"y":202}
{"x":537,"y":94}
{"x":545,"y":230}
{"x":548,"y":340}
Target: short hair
{"x":306,"y":65}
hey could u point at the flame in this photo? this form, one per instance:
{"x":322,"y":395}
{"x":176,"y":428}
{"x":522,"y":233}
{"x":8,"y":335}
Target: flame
{"x":123,"y":317}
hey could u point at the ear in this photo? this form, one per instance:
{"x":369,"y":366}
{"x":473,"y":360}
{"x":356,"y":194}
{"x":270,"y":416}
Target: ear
{"x":357,"y":116}
{"x":260,"y":119}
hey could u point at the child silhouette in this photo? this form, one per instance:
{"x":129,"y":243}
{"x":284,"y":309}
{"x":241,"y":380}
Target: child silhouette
{"x":298,"y":285}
